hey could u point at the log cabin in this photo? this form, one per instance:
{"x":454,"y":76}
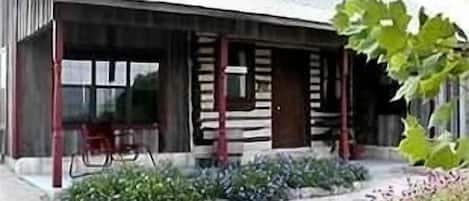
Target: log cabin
{"x":213,"y":79}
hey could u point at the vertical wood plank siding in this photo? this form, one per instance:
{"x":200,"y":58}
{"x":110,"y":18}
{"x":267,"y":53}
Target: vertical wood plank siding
{"x":33,"y":15}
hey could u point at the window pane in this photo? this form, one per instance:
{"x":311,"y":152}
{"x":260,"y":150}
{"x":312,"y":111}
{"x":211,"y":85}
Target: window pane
{"x":236,"y":86}
{"x":110,"y":104}
{"x":76,"y":72}
{"x":106,"y":76}
{"x":144,"y":75}
{"x":76,"y":104}
{"x":144,"y":84}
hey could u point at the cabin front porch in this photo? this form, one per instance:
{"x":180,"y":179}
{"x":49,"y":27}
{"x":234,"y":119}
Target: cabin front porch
{"x":197,"y":86}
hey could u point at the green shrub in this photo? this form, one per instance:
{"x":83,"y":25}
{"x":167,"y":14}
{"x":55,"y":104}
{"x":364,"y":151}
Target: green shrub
{"x":135,"y":184}
{"x":264,"y":179}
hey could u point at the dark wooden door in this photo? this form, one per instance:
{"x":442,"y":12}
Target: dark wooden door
{"x":290,"y":106}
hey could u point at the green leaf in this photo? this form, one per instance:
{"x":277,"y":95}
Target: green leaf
{"x":415,"y":147}
{"x":374,"y":12}
{"x":442,"y":115}
{"x":436,"y":28}
{"x":423,"y":17}
{"x":460,"y":32}
{"x":442,"y":156}
{"x":462,"y":149}
{"x":408,"y":90}
{"x":430,"y":87}
{"x":392,"y":39}
{"x":398,"y":13}
{"x":340,"y":21}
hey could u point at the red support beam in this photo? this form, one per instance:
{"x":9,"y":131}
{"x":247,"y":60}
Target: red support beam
{"x":344,"y":149}
{"x":222,"y":62}
{"x":57,"y":130}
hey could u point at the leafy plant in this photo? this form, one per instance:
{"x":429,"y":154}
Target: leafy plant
{"x":421,"y":61}
{"x":135,"y":184}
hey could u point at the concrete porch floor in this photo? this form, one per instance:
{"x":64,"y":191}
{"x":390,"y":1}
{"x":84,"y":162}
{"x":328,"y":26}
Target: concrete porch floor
{"x":383,"y":174}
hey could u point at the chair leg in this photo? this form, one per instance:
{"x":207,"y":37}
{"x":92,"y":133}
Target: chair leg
{"x":151,"y":156}
{"x":70,"y":170}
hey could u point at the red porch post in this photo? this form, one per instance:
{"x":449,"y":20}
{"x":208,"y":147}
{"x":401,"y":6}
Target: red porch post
{"x":344,"y":150}
{"x":57,"y":130}
{"x":222,"y":62}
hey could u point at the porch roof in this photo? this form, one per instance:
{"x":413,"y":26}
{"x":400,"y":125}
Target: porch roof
{"x":304,"y":13}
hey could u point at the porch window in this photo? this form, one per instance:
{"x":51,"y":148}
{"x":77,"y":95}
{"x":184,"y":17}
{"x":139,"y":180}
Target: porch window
{"x":240,"y":77}
{"x":122,"y":91}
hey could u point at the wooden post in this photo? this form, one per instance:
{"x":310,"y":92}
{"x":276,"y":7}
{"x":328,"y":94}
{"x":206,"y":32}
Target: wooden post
{"x":344,"y":149}
{"x":57,"y":130}
{"x":222,"y":62}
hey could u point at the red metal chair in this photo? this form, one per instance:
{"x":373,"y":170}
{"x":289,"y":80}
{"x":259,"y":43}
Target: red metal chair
{"x":100,"y":139}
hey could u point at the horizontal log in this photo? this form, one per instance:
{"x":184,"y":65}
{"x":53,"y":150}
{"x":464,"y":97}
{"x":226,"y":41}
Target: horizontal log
{"x":206,"y":78}
{"x":263,"y":61}
{"x":314,"y":87}
{"x":264,"y":78}
{"x":206,"y":50}
{"x":207,"y":97}
{"x":253,"y":113}
{"x":263,"y":69}
{"x":264,"y":132}
{"x":205,"y":40}
{"x":315,"y":64}
{"x":239,"y":123}
{"x":315,"y":72}
{"x":205,"y":59}
{"x":319,"y":130}
{"x":207,"y":67}
{"x":315,"y":114}
{"x":263,"y":104}
{"x":314,"y":80}
{"x":207,"y":105}
{"x":314,"y":56}
{"x":314,"y":96}
{"x":207,"y":87}
{"x":263,"y":52}
{"x":264,"y":95}
{"x":315,"y":105}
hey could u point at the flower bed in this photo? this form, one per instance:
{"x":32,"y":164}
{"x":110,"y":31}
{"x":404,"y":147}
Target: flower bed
{"x":437,"y":186}
{"x":265,"y":179}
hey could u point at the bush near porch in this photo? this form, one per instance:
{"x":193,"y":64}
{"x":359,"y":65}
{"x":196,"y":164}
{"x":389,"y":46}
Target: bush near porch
{"x":265,"y":179}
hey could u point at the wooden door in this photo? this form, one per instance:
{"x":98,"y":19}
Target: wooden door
{"x":290,"y":106}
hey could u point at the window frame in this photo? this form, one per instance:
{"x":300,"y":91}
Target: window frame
{"x":247,"y":103}
{"x":142,"y":56}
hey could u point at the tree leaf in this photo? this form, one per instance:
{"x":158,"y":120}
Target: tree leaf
{"x":436,"y":28}
{"x":442,"y":115}
{"x":460,"y":32}
{"x":340,"y":21}
{"x":443,"y":156}
{"x":430,"y":87}
{"x":408,"y":90}
{"x":398,"y":13}
{"x":423,"y":17}
{"x":415,"y":147}
{"x":462,"y":149}
{"x":392,"y":39}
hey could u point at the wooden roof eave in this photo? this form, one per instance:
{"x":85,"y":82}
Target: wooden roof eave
{"x":197,"y":10}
